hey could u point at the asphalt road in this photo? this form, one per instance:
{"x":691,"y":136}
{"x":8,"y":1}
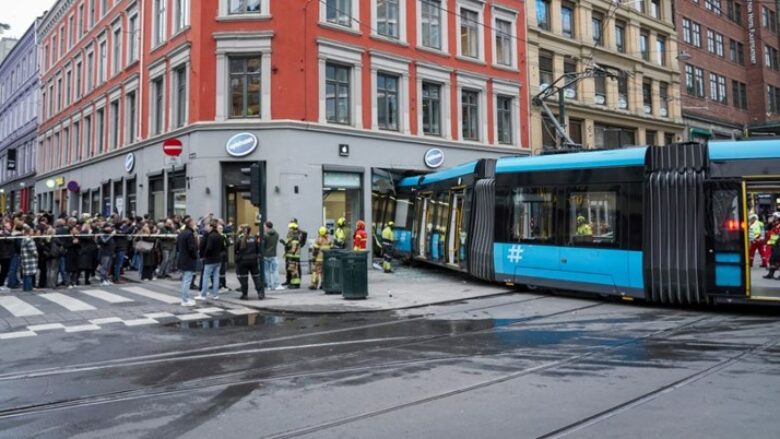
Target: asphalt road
{"x":519,"y":365}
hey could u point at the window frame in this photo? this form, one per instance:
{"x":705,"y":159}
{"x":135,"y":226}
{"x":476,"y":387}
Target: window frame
{"x":350,"y":84}
{"x":441,"y":77}
{"x":386,"y":92}
{"x":352,"y":18}
{"x":437,"y":115}
{"x":510,"y":17}
{"x":400,"y":22}
{"x":246,"y":75}
{"x":443,"y":25}
{"x":569,"y":231}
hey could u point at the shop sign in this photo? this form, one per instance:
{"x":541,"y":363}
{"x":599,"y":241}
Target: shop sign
{"x":10,"y":164}
{"x":434,"y":158}
{"x":59,"y":181}
{"x":241,"y":145}
{"x":129,"y":162}
{"x":751,"y":31}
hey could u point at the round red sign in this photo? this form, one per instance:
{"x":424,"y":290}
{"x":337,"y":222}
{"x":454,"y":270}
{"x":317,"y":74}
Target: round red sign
{"x":172,"y":147}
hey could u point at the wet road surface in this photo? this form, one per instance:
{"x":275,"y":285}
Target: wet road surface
{"x":519,"y":365}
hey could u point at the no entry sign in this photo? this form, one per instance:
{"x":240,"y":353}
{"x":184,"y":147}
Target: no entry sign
{"x":172,"y":147}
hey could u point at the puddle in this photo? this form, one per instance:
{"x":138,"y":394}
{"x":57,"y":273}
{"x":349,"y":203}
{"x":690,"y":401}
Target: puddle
{"x":233,"y":321}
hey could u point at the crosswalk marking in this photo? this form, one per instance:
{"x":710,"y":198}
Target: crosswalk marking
{"x":139,"y":322}
{"x":17,"y":334}
{"x":68,"y":302}
{"x":152,"y":295}
{"x":46,"y":327}
{"x":106,"y":296}
{"x":18,"y":307}
{"x":106,"y":320}
{"x":212,"y":310}
{"x":159,"y":315}
{"x":82,"y":328}
{"x":242,"y":311}
{"x":195,"y":316}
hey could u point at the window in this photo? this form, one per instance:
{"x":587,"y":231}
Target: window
{"x":177,"y":193}
{"x":600,"y":80}
{"x":116,"y":55}
{"x":59,"y":94}
{"x":717,"y":88}
{"x":159,"y":22}
{"x":68,"y":78}
{"x":545,"y":69}
{"x":91,"y":14}
{"x":87,"y":138}
{"x":699,"y":74}
{"x":71,"y":31}
{"x":655,"y":9}
{"x":78,"y":79}
{"x":76,"y":143}
{"x":663,"y":97}
{"x":470,"y":111}
{"x":549,"y":132}
{"x":469,"y":33}
{"x":130,"y":128}
{"x":102,"y":62}
{"x":769,"y":19}
{"x":696,"y":33}
{"x":647,"y":96}
{"x":660,"y":49}
{"x":337,"y":93}
{"x":180,"y":79}
{"x":114,"y":126}
{"x":651,"y":137}
{"x":157,"y":105}
{"x":570,"y":70}
{"x":339,"y":12}
{"x":133,"y":38}
{"x":622,"y":83}
{"x":719,"y":44}
{"x":592,"y":217}
{"x":80,"y":20}
{"x":771,"y":57}
{"x":533,"y":210}
{"x":575,"y":131}
{"x":181,"y":14}
{"x":242,"y":6}
{"x":100,"y":121}
{"x":245,"y":86}
{"x":739,"y":94}
{"x":712,"y":5}
{"x":736,"y":52}
{"x":387,"y":101}
{"x":431,"y":109}
{"x":387,"y":18}
{"x":597,"y":25}
{"x":687,"y":35}
{"x":620,"y":36}
{"x":504,"y":119}
{"x":710,"y":41}
{"x":504,"y":43}
{"x":567,"y":20}
{"x":103,"y":7}
{"x":543,"y":14}
{"x":668,"y":138}
{"x":773,"y":98}
{"x":431,"y":22}
{"x":342,"y":196}
{"x":644,"y":45}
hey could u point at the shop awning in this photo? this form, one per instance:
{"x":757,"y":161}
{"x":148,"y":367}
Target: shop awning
{"x":700,"y":132}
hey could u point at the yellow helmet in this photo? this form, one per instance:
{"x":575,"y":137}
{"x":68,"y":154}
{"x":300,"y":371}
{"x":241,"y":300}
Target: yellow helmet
{"x":390,"y":224}
{"x":292,"y":226}
{"x":323,"y":231}
{"x":341,"y":221}
{"x":580,"y":219}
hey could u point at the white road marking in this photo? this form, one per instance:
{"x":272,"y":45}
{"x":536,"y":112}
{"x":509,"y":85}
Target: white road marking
{"x":67,"y":302}
{"x":139,"y":322}
{"x":81,"y":328}
{"x":106,"y":296}
{"x":46,"y":327}
{"x":159,"y":315}
{"x":152,"y":295}
{"x":17,"y":334}
{"x":195,"y":316}
{"x":242,"y":311}
{"x":18,"y":307}
{"x":212,"y":310}
{"x":106,"y":320}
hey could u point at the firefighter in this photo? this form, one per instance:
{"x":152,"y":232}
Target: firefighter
{"x":292,"y":256}
{"x":320,"y":246}
{"x":388,"y":237}
{"x":583,"y":228}
{"x":247,"y":256}
{"x":340,"y":235}
{"x":756,"y":234}
{"x":360,"y":239}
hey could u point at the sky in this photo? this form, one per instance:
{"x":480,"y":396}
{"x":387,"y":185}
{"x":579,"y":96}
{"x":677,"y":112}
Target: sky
{"x":21,"y":13}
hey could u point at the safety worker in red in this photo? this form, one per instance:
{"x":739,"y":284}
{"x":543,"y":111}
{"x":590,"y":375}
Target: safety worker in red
{"x":320,"y":246}
{"x":756,"y":235}
{"x":773,"y":245}
{"x":360,"y":239}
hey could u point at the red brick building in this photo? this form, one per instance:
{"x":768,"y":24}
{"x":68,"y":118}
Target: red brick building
{"x":328,"y":94}
{"x":730,"y":67}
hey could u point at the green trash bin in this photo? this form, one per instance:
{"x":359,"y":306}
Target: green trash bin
{"x":331,"y":271}
{"x":354,"y":275}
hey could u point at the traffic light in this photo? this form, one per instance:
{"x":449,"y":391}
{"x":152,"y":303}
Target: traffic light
{"x":255,"y":183}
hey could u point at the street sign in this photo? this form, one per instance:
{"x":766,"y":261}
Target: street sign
{"x":172,"y":147}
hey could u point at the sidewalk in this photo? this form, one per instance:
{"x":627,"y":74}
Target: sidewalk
{"x":406,"y":288}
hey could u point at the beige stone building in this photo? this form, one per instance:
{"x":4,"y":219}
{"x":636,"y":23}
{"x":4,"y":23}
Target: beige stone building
{"x":637,"y":37}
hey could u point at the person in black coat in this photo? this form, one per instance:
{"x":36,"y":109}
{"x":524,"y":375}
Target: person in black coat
{"x":89,"y":252}
{"x":72,"y":246}
{"x":187,"y":259}
{"x":41,"y":246}
{"x":6,"y":250}
{"x":149,"y":258}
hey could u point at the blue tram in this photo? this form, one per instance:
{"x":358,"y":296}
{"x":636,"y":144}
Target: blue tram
{"x":663,"y":224}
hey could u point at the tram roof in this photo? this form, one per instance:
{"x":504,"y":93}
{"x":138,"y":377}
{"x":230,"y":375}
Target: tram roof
{"x":435,"y":177}
{"x":744,"y":149}
{"x":578,"y":160}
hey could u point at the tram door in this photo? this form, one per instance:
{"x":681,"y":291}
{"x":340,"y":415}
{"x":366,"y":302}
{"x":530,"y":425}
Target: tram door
{"x":455,"y":228}
{"x":761,"y":202}
{"x":423,"y":219}
{"x":726,"y":241}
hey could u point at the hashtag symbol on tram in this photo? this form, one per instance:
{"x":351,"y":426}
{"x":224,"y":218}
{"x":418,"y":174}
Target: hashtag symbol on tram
{"x":515,"y":254}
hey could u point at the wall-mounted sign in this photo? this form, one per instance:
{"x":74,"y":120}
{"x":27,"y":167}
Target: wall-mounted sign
{"x":434,"y":158}
{"x":73,"y":186}
{"x":172,"y":148}
{"x":241,"y":145}
{"x":129,"y":162}
{"x":10,"y":164}
{"x":59,"y":181}
{"x":751,"y":32}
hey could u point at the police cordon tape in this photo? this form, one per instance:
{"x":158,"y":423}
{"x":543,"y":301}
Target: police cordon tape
{"x":89,"y":235}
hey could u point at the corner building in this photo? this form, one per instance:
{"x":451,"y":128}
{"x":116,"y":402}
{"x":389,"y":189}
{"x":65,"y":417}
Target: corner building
{"x":333,"y":97}
{"x":636,"y":37}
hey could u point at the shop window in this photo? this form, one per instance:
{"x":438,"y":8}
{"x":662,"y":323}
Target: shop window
{"x":119,"y":198}
{"x":177,"y":193}
{"x":94,"y":201}
{"x":106,"y":208}
{"x":130,"y":201}
{"x":342,"y":196}
{"x":532,"y":215}
{"x":85,"y":202}
{"x":156,"y":197}
{"x":592,"y":217}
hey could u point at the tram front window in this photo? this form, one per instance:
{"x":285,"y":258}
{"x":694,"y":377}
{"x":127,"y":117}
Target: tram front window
{"x":592,"y":217}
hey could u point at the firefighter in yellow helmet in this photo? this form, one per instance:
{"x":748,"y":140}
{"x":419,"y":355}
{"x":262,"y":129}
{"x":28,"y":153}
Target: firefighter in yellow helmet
{"x":583,"y":228}
{"x":292,"y":255}
{"x":321,"y":245}
{"x":388,"y":238}
{"x":340,"y":234}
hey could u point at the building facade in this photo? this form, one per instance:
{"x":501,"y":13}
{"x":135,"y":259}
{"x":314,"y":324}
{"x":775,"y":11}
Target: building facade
{"x":635,"y":41}
{"x":19,"y":123}
{"x":731,"y":74}
{"x":330,"y":96}
{"x":6,"y":45}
